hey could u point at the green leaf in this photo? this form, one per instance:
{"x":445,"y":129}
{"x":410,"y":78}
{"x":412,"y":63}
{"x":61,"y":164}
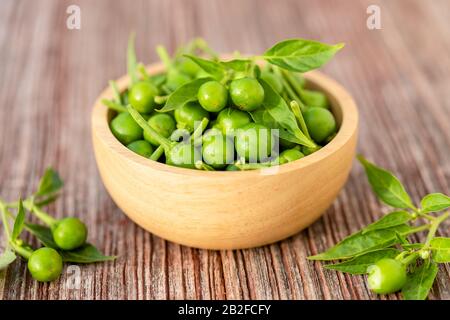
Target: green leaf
{"x":49,"y":184}
{"x":276,"y":114}
{"x":18,"y":222}
{"x":386,"y":186}
{"x":419,"y":282}
{"x":359,"y":264}
{"x":359,"y":243}
{"x":6,"y":258}
{"x":86,"y":254}
{"x":441,"y":249}
{"x":132,"y":60}
{"x":42,"y":233}
{"x":435,"y":202}
{"x":237,"y":65}
{"x":215,"y":69}
{"x":301,"y":55}
{"x":184,"y":94}
{"x":390,"y":220}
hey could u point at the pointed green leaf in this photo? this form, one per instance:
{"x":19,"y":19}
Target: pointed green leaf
{"x":301,"y":55}
{"x":42,"y":233}
{"x":386,"y":186}
{"x":359,"y":243}
{"x":215,"y":69}
{"x":6,"y":258}
{"x":237,"y":65}
{"x":435,"y":202}
{"x":359,"y":264}
{"x":86,"y":254}
{"x":49,"y":184}
{"x":276,"y":114}
{"x":390,"y":220}
{"x":441,"y":249}
{"x":184,"y":94}
{"x":419,"y":282}
{"x":18,"y":222}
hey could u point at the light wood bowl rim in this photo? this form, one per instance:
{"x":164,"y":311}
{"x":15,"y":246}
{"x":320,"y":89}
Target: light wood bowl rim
{"x":344,"y":101}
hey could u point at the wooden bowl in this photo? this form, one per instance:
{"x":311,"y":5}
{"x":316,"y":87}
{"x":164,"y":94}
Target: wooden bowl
{"x":225,"y":209}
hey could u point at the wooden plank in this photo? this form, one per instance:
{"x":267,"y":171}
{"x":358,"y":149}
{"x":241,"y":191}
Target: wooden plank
{"x":50,"y":76}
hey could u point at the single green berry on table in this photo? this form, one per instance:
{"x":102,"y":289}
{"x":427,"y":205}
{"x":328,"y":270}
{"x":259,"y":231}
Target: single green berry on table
{"x":69,"y":233}
{"x":141,"y":147}
{"x":45,"y":264}
{"x":320,"y":122}
{"x":212,"y":96}
{"x":125,"y":129}
{"x":228,"y":120}
{"x":162,"y":123}
{"x":246,"y":93}
{"x":190,"y":115}
{"x":142,"y":95}
{"x":254,"y":142}
{"x":386,"y":276}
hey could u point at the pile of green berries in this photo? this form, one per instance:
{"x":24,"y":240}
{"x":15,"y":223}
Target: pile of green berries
{"x":204,"y":113}
{"x":63,"y":240}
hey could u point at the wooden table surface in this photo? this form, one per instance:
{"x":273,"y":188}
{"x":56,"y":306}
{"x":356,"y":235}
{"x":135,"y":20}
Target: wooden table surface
{"x":50,"y":77}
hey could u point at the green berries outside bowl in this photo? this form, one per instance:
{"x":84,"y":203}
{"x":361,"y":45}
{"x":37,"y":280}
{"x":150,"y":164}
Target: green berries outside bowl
{"x":69,"y":233}
{"x":45,"y":264}
{"x":386,"y":276}
{"x":158,"y":116}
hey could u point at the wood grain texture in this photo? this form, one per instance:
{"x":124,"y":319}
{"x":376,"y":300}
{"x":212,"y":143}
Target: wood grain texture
{"x":50,"y":77}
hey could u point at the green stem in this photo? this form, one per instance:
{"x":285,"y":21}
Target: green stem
{"x":157,"y":153}
{"x":145,"y":76}
{"x":116,"y":91}
{"x":161,"y":99}
{"x":39,"y":213}
{"x":298,"y":114}
{"x":4,"y":210}
{"x":131,"y":59}
{"x":198,"y":131}
{"x":114,"y":105}
{"x":410,"y":259}
{"x":24,"y":252}
{"x":417,"y":229}
{"x":164,"y":142}
{"x":200,"y":165}
{"x":434,"y":226}
{"x":291,"y":93}
{"x":202,"y":45}
{"x":294,"y":82}
{"x":164,"y":56}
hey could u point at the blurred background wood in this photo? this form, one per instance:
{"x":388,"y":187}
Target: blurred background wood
{"x":50,"y":76}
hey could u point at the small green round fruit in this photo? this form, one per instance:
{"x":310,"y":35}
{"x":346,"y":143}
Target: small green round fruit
{"x":212,"y":96}
{"x":254,"y":142}
{"x":162,"y":123}
{"x":320,"y":122}
{"x":125,"y":129}
{"x":247,"y":94}
{"x":45,"y":264}
{"x":141,"y":147}
{"x":386,"y":276}
{"x":142,"y":96}
{"x":69,"y":233}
